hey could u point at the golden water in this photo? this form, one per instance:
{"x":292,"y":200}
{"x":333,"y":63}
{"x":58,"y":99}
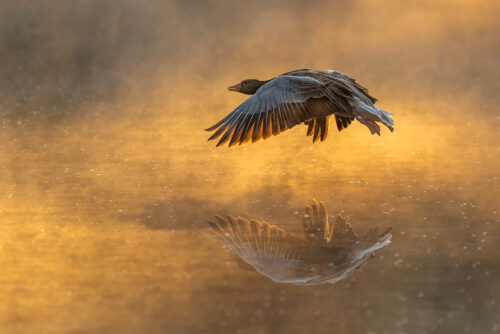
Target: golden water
{"x":102,"y":215}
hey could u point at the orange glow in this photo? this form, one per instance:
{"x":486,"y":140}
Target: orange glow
{"x":103,"y":212}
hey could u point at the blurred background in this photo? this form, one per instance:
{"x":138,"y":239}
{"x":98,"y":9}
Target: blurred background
{"x":107,"y":179}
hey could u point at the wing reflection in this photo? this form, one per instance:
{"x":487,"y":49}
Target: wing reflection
{"x":327,"y":255}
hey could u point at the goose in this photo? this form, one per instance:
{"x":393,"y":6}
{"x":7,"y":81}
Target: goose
{"x":301,"y":96}
{"x":328,"y":253}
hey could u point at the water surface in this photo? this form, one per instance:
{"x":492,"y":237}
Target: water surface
{"x":107,"y":179}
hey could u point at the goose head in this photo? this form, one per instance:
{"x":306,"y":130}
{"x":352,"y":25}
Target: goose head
{"x":247,"y":86}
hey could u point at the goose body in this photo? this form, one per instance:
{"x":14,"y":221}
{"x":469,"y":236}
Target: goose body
{"x":327,"y":255}
{"x":302,"y":96}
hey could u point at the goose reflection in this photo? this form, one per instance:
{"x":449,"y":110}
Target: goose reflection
{"x":327,"y":255}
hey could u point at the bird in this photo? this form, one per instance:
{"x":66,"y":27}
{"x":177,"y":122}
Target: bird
{"x":300,"y":96}
{"x":328,"y":254}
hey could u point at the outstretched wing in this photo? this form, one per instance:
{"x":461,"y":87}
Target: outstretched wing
{"x":267,"y":248}
{"x":278,"y":105}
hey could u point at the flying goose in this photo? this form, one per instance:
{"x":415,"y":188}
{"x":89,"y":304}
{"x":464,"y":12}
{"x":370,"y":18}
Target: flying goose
{"x":301,"y":96}
{"x":327,"y":255}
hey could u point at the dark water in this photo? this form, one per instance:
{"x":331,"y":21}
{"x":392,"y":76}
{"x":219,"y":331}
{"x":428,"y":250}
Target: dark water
{"x":107,"y":179}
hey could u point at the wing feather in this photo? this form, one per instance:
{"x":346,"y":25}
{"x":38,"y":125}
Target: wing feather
{"x":257,"y":132}
{"x":343,"y":122}
{"x":317,"y":130}
{"x":267,"y":248}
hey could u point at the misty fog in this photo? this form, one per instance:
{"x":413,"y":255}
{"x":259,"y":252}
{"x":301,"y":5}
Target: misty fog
{"x":107,"y":178}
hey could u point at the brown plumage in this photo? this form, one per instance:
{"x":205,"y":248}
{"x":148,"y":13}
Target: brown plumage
{"x":328,"y":253}
{"x":296,"y":97}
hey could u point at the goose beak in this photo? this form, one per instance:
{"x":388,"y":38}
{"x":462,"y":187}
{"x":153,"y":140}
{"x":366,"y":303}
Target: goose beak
{"x":235,"y":88}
